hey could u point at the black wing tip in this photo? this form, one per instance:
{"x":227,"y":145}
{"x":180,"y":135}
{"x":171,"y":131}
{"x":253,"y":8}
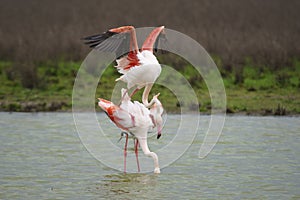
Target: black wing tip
{"x":161,"y":44}
{"x":95,"y":40}
{"x":106,"y":34}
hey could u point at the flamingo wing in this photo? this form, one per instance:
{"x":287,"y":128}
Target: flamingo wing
{"x":117,"y":40}
{"x":127,"y":62}
{"x":161,"y":44}
{"x":117,"y":115}
{"x":109,"y":41}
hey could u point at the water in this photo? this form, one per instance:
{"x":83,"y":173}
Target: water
{"x":42,"y":157}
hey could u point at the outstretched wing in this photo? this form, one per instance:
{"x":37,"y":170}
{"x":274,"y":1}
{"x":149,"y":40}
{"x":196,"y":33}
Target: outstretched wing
{"x":161,"y":44}
{"x":109,"y":41}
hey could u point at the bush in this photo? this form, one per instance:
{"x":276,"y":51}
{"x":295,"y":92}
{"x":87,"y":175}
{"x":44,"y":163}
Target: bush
{"x":28,"y":74}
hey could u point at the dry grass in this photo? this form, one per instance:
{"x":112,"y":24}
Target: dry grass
{"x":39,"y":30}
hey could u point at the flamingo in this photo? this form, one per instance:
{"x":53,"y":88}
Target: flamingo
{"x":135,"y":119}
{"x":138,"y":68}
{"x":156,"y":112}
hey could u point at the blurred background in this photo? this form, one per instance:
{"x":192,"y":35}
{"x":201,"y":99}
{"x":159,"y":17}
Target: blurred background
{"x":254,"y":43}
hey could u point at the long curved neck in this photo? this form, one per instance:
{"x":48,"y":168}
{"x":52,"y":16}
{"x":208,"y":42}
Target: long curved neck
{"x":147,"y":152}
{"x":146,"y":95}
{"x":133,"y":42}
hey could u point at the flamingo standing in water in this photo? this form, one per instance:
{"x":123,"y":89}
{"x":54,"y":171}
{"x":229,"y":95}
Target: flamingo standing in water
{"x":135,"y":119}
{"x":139,"y":68}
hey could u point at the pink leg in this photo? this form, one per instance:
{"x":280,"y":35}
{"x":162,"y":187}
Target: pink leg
{"x":136,"y":149}
{"x":122,"y":97}
{"x":134,"y":91}
{"x":125,"y":152}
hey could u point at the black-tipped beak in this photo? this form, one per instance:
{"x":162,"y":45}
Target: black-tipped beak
{"x":158,"y":135}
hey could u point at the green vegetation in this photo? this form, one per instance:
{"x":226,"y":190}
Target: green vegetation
{"x":263,"y":91}
{"x":254,"y":43}
{"x":256,"y":90}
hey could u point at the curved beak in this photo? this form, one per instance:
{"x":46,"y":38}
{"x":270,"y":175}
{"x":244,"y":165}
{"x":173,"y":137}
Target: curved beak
{"x":158,"y":135}
{"x":158,"y":132}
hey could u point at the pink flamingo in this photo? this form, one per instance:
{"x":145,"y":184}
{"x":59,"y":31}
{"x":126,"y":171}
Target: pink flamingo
{"x":135,"y":119}
{"x":138,"y":68}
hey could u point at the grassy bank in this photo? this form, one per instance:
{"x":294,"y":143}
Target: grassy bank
{"x":34,"y":32}
{"x":252,"y":90}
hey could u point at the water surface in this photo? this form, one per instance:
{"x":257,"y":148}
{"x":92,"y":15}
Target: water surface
{"x":42,"y":157}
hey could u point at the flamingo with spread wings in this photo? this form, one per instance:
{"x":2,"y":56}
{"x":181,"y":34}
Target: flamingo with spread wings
{"x":135,"y":119}
{"x":138,"y":68}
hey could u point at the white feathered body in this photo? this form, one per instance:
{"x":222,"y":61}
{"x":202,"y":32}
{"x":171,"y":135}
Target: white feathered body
{"x":139,"y":70}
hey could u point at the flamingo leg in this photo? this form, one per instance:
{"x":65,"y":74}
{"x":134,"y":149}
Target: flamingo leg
{"x":125,"y":152}
{"x":136,"y":149}
{"x":134,"y":91}
{"x":122,"y":97}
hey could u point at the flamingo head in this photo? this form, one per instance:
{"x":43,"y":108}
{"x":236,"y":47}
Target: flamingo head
{"x":156,"y":112}
{"x":122,"y":29}
{"x":159,"y":124}
{"x":107,"y":106}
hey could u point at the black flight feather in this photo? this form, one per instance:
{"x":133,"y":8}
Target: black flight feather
{"x":161,"y":43}
{"x":108,"y":41}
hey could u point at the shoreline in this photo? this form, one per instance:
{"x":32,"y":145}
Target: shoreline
{"x":61,"y":106}
{"x":261,"y":92}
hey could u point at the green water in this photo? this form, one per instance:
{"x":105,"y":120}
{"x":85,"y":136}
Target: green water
{"x":42,"y":157}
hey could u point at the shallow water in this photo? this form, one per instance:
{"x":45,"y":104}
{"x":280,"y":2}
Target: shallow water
{"x":42,"y":157}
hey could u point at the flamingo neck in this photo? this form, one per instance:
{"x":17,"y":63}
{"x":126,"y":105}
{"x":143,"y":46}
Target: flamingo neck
{"x":146,"y":95}
{"x":147,"y":152}
{"x":133,"y":42}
